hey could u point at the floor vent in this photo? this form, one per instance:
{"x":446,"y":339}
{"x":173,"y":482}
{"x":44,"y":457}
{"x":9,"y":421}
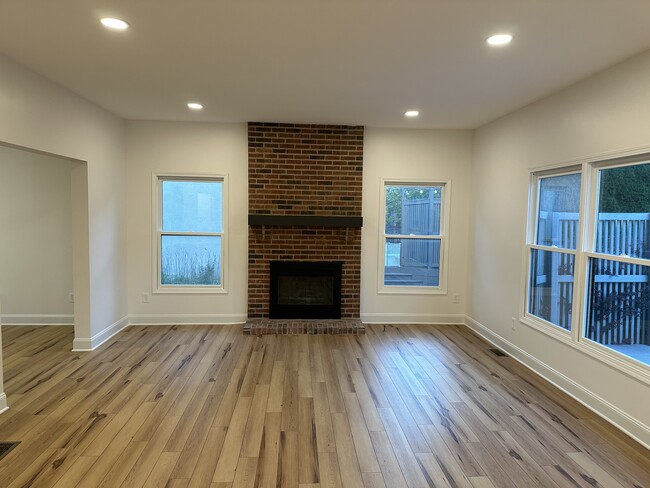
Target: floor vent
{"x":6,"y":447}
{"x":498,"y":352}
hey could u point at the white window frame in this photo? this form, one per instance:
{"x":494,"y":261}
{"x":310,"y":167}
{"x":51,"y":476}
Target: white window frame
{"x":441,"y":289}
{"x":158,"y":287}
{"x":589,"y":168}
{"x":531,"y":243}
{"x":608,"y":355}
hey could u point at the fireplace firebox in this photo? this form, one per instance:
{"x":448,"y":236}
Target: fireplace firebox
{"x":305,"y":290}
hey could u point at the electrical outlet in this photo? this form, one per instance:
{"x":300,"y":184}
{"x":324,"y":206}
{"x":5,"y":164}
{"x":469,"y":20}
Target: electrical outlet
{"x":456,"y":298}
{"x":145,"y":298}
{"x":71,"y":297}
{"x":514,"y":323}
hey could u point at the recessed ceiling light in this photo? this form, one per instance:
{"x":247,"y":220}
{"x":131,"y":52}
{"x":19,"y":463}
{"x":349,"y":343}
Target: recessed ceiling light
{"x":113,"y":23}
{"x":194,"y":106}
{"x":411,"y":113}
{"x":499,"y":39}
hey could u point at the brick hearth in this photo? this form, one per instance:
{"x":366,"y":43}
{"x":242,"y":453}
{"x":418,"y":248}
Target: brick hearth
{"x":290,"y":326}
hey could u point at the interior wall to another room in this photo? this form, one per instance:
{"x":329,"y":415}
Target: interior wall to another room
{"x":38,"y":114}
{"x":36,"y":238}
{"x":424,"y":155}
{"x":606,"y":114}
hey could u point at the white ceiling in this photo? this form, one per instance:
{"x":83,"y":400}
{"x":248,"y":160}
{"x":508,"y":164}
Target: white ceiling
{"x":321,"y":61}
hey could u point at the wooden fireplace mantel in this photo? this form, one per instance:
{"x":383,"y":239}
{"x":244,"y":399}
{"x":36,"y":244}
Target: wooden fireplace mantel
{"x":306,"y":220}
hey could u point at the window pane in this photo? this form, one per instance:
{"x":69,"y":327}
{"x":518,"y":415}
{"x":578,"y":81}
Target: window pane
{"x":624,"y":211}
{"x":551,"y":286}
{"x":191,"y":206}
{"x":191,"y":260}
{"x":412,"y":262}
{"x":557,"y":213}
{"x":618,"y":307}
{"x":413,"y":210}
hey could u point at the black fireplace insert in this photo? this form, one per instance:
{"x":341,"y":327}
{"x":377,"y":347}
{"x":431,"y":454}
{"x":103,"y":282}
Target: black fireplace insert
{"x":305,"y":290}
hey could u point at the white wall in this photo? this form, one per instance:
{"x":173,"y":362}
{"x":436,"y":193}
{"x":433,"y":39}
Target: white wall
{"x":38,"y":114}
{"x":192,"y":148}
{"x":415,"y":154}
{"x":607,"y":113}
{"x":36,"y":238}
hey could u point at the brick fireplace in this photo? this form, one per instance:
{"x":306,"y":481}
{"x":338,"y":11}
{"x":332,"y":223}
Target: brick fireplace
{"x":304,"y":187}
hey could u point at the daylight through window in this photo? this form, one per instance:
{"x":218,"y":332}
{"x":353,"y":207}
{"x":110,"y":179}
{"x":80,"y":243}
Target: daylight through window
{"x":190,"y":232}
{"x":618,"y":292}
{"x":413,"y":237}
{"x":552,"y":252}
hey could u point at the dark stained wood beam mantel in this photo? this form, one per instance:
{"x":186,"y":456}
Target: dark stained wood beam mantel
{"x":306,"y":220}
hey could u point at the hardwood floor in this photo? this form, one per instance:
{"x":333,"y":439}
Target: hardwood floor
{"x":205,"y":406}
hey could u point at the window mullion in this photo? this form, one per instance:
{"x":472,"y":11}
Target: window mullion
{"x":585,"y":241}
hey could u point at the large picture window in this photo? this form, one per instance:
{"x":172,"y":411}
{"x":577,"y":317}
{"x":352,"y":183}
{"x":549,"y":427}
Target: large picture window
{"x":589,"y":258}
{"x":414,"y":236}
{"x":190,"y":233}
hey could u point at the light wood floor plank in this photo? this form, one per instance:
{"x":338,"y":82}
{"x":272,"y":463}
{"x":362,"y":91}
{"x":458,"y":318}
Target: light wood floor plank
{"x":390,"y":469}
{"x":255,"y":426}
{"x":360,"y":434}
{"x":207,"y":460}
{"x":330,"y":474}
{"x":270,"y":450}
{"x":347,"y":456}
{"x":307,"y":442}
{"x":227,"y":465}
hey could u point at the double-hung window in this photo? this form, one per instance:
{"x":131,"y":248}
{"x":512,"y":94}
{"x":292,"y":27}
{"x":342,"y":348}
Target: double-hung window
{"x":414,"y":237}
{"x":552,"y":244}
{"x":588,"y":258}
{"x":190,"y":240}
{"x":617,"y":308}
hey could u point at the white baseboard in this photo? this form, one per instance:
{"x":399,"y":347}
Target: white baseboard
{"x":411,"y":318}
{"x":187,"y":319}
{"x":3,"y":403}
{"x":89,"y":344}
{"x":611,"y":413}
{"x":36,"y":319}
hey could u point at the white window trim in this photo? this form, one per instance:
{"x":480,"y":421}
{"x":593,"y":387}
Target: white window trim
{"x":588,"y":167}
{"x":441,"y":289}
{"x":530,"y":243}
{"x":156,"y":207}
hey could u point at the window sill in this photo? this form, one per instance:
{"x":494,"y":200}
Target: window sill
{"x":616,"y":360}
{"x":603,"y":354}
{"x":190,"y":291}
{"x":410,"y":290}
{"x":548,"y":328}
